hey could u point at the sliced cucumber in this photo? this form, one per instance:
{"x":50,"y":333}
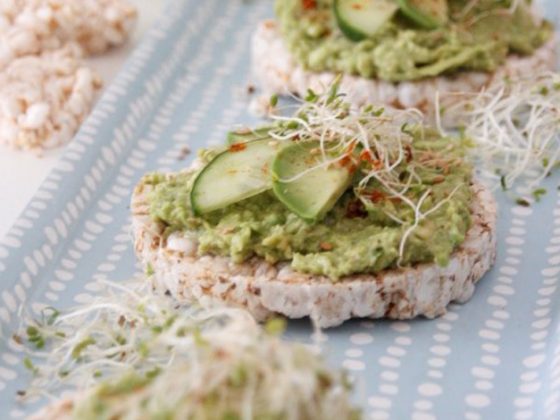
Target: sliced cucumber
{"x":308,"y":193}
{"x":359,"y":19}
{"x":430,"y":14}
{"x":244,"y":135}
{"x":238,"y":173}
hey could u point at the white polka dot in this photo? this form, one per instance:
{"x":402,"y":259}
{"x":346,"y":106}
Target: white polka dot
{"x":496,"y":325}
{"x":403,"y":340}
{"x":379,"y":415}
{"x":396,"y":351}
{"x":491,"y":347}
{"x":481,"y":372}
{"x":534,"y":361}
{"x":477,"y":400}
{"x":9,"y":300}
{"x":51,"y":296}
{"x":514,"y":240}
{"x":388,"y":389}
{"x":524,"y":415}
{"x":522,"y":211}
{"x":435,"y":374}
{"x":83,"y":298}
{"x":429,"y":389}
{"x":379,"y":402}
{"x":444,"y":326}
{"x":517,"y":230}
{"x":489,"y":335}
{"x":451,"y":316}
{"x":505,"y":279}
{"x":530,"y":388}
{"x":541,"y":323}
{"x":541,"y":312}
{"x":529,"y":376}
{"x":354,"y":365}
{"x":441,"y":338}
{"x":389,"y":375}
{"x":550,"y":271}
{"x":500,"y":314}
{"x":504,"y":290}
{"x":483,"y":385}
{"x":400,"y":326}
{"x":469,"y":415}
{"x":440,"y":350}
{"x":495,"y":300}
{"x":490,"y":360}
{"x":10,"y":359}
{"x":354,"y":353}
{"x":538,"y":346}
{"x":543,"y":302}
{"x":437,"y":362}
{"x":361,"y":339}
{"x":423,"y":405}
{"x":7,"y":374}
{"x":389,"y":362}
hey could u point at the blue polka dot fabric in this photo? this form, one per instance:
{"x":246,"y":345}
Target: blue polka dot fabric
{"x":495,"y":357}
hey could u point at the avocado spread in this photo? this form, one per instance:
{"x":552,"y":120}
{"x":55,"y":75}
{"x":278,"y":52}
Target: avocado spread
{"x":478,"y":36}
{"x":362,"y":233}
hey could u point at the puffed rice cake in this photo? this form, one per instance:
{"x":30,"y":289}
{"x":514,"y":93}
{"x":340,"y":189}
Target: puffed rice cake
{"x":44,"y":98}
{"x":33,"y":26}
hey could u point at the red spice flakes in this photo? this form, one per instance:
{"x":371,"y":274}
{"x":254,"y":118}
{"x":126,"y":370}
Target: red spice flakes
{"x":351,"y":147}
{"x":348,"y":162}
{"x":357,"y":6}
{"x":326,"y":246}
{"x":237,"y":147}
{"x":376,"y":196}
{"x":366,"y":156}
{"x":309,"y":4}
{"x":438,"y":179}
{"x":408,"y":153}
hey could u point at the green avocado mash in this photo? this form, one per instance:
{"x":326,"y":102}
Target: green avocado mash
{"x":356,"y":236}
{"x":479,"y":36}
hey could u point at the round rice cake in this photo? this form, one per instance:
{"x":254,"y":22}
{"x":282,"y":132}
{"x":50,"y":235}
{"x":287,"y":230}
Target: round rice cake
{"x":33,"y":26}
{"x":276,"y":72}
{"x":45,"y":98}
{"x":266,"y":289}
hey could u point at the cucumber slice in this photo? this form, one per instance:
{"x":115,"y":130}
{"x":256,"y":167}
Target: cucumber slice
{"x":430,"y":14}
{"x":314,"y":193}
{"x":238,"y":173}
{"x":245,"y":135}
{"x":359,"y":19}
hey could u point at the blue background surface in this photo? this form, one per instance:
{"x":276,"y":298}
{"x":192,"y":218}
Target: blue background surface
{"x":497,"y":357}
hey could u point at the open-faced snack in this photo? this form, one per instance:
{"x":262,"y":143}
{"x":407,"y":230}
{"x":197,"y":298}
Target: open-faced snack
{"x":330,"y":213}
{"x":399,"y":52}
